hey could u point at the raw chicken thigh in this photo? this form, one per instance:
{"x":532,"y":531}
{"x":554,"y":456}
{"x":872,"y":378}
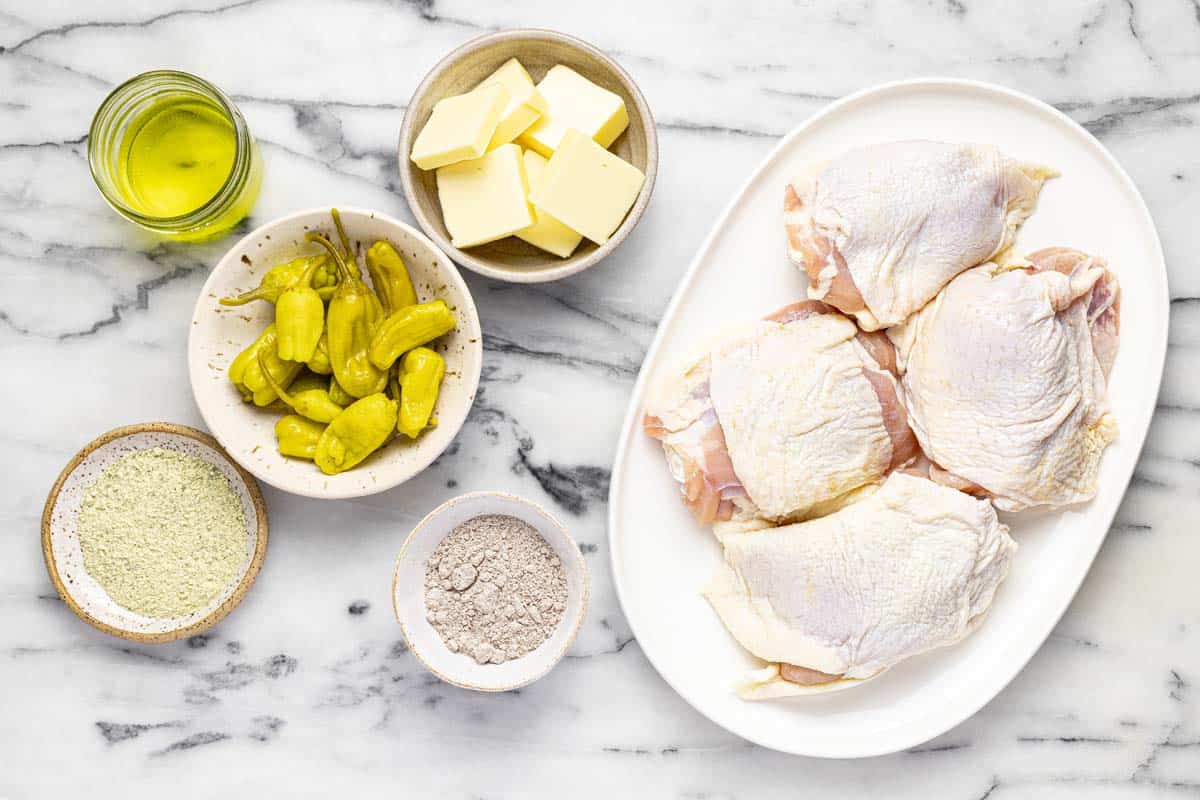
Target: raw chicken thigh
{"x":1005,"y":375}
{"x":836,"y":600}
{"x":784,"y":418}
{"x":882,"y":229}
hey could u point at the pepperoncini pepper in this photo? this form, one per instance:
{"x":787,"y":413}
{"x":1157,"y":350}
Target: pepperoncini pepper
{"x":246,"y":370}
{"x":281,"y":277}
{"x":307,"y":380}
{"x":319,"y":363}
{"x":390,"y":277}
{"x":350,"y":323}
{"x":408,"y":328}
{"x":237,"y":367}
{"x":298,"y":437}
{"x":348,"y":256}
{"x":311,"y":403}
{"x":337,"y":394}
{"x":420,"y":378}
{"x":299,"y":318}
{"x":268,"y":369}
{"x":356,"y":433}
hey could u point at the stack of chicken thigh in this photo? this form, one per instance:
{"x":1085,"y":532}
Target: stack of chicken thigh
{"x":851,"y":450}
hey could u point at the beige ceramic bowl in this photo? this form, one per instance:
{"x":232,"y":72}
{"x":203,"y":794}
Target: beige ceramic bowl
{"x":60,"y":540}
{"x":219,"y":333}
{"x":408,"y":594}
{"x":511,"y":259}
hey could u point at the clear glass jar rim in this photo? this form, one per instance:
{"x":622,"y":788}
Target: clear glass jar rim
{"x":229,"y":189}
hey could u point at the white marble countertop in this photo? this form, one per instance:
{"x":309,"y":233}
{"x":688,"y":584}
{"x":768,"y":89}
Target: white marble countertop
{"x":307,"y":688}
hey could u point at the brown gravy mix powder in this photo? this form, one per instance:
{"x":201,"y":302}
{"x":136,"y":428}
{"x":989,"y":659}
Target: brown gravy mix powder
{"x":494,"y":589}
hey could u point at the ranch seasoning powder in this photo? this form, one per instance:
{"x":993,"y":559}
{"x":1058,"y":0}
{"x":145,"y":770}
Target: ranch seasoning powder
{"x":163,"y":532}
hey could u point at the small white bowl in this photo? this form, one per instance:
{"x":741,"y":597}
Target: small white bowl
{"x":408,"y":594}
{"x":511,"y":259}
{"x":219,"y":333}
{"x":60,"y":538}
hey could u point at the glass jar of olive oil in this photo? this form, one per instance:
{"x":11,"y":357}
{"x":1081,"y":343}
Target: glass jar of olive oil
{"x":172,"y":153}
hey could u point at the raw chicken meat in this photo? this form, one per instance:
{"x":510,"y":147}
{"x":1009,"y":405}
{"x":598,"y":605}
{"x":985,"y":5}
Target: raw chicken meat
{"x":784,"y":418}
{"x":834,"y":601}
{"x":1005,"y":375}
{"x":882,"y":229}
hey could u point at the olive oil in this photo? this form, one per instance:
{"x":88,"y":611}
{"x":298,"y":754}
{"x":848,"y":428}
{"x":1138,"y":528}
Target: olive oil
{"x":170,"y":152}
{"x":178,"y":154}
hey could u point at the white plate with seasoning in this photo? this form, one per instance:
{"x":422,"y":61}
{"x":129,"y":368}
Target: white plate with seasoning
{"x":84,"y":594}
{"x":661,"y":558}
{"x":218,"y":333}
{"x":409,"y":603}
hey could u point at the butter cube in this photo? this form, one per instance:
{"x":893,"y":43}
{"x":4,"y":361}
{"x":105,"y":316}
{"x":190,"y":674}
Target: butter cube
{"x":460,"y":127}
{"x":484,"y":199}
{"x":525,"y":102}
{"x":587,"y":188}
{"x":574,"y":102}
{"x":547,"y":233}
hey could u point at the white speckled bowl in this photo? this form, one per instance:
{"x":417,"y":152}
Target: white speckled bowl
{"x":60,"y":541}
{"x":408,"y":594}
{"x":219,"y":333}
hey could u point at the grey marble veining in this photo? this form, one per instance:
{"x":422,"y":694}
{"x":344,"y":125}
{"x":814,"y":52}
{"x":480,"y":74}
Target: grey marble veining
{"x":307,"y":688}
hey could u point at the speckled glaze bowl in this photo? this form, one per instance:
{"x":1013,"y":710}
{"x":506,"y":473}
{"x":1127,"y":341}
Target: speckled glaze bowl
{"x":218,"y":333}
{"x":408,"y":594}
{"x":511,"y":259}
{"x":60,"y":540}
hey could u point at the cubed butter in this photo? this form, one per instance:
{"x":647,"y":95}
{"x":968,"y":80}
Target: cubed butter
{"x":484,"y":199}
{"x":587,"y":188}
{"x":547,"y":233}
{"x":525,"y":102}
{"x":572,"y":101}
{"x":460,"y":127}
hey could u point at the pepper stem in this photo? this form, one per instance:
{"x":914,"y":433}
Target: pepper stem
{"x":347,"y":275}
{"x":242,"y":299}
{"x":342,"y":237}
{"x":307,"y":278}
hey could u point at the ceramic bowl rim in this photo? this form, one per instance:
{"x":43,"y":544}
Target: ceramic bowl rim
{"x":552,"y":272}
{"x":244,"y":583}
{"x":559,"y":529}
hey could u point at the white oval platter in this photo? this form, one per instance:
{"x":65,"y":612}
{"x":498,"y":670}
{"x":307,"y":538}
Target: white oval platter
{"x":661,"y":558}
